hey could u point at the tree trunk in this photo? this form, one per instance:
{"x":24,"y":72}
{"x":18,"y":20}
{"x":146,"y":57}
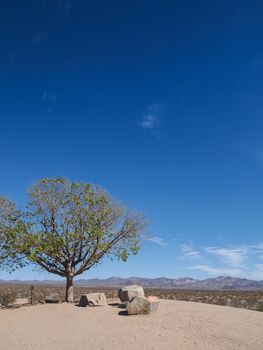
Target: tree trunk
{"x":69,"y":297}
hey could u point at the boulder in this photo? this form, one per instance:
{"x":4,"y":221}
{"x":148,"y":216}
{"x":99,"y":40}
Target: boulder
{"x":142,"y":306}
{"x":129,"y":292}
{"x":123,"y":305}
{"x":93,"y":299}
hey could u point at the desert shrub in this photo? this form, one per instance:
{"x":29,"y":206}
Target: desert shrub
{"x":7,"y":297}
{"x":259,"y":307}
{"x":170,"y":297}
{"x":39,"y":295}
{"x":220,"y":301}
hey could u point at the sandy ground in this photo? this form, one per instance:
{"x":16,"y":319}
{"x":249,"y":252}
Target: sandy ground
{"x":177,"y":325}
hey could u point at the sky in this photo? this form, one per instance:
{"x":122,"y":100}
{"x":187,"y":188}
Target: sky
{"x":159,"y":102}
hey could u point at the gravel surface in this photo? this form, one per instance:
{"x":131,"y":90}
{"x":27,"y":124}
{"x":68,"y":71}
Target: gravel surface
{"x":177,"y":325}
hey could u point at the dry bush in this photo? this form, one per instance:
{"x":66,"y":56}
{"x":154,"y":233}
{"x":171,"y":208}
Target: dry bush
{"x":41,"y":291}
{"x":220,"y":301}
{"x":7,"y":297}
{"x":259,"y":307}
{"x":240,"y":299}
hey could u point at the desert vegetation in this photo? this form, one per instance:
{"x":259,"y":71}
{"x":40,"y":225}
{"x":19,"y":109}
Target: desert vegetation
{"x":251,"y":300}
{"x":8,"y":296}
{"x":67,"y":228}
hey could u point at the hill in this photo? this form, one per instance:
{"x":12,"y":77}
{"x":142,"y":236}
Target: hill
{"x":217,"y":283}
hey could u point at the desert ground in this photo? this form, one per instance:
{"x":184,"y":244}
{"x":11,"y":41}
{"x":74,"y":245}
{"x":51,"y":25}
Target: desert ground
{"x":177,"y":325}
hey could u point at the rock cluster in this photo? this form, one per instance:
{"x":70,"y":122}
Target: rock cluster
{"x":132,"y":298}
{"x":135,"y":302}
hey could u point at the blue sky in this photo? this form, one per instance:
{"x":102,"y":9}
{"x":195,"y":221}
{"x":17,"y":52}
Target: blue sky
{"x":160,"y":102}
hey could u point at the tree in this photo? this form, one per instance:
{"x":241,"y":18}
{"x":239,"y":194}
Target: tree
{"x":67,"y":228}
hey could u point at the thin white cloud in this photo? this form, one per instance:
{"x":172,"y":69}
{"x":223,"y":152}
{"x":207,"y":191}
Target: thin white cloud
{"x":189,"y":252}
{"x":157,"y":240}
{"x":216,"y":271}
{"x":149,"y":121}
{"x":258,"y":246}
{"x":244,"y":261}
{"x":257,"y":272}
{"x":253,"y":273}
{"x":151,"y":118}
{"x":232,"y":256}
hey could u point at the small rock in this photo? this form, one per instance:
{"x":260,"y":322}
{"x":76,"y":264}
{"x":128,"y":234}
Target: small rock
{"x":142,"y":306}
{"x":93,"y":299}
{"x":130,"y":292}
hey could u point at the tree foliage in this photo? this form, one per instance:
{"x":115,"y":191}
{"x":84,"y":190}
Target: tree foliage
{"x":11,"y":235}
{"x":67,"y":228}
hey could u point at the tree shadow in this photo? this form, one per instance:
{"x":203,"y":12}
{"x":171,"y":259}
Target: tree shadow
{"x":114,"y":304}
{"x":118,"y":305}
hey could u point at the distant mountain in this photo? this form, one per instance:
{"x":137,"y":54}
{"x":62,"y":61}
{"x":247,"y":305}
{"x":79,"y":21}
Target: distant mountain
{"x":218,"y":283}
{"x":34,"y":282}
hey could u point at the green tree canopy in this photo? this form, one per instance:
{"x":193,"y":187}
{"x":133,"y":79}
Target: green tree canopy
{"x":67,"y":228}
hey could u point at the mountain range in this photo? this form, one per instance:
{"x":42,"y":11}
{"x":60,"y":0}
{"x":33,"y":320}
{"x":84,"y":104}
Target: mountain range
{"x":217,"y":283}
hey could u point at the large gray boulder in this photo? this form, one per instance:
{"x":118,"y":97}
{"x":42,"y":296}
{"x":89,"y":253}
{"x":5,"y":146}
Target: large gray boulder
{"x":129,"y":292}
{"x":93,"y":299}
{"x":142,"y":306}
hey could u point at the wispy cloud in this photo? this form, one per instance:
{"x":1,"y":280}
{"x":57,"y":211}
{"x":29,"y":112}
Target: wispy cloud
{"x":239,"y":261}
{"x":232,"y":256}
{"x":189,"y":252}
{"x":216,"y":271}
{"x":258,"y":246}
{"x":152,"y":117}
{"x":254,"y":272}
{"x":149,"y":122}
{"x":157,"y":240}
